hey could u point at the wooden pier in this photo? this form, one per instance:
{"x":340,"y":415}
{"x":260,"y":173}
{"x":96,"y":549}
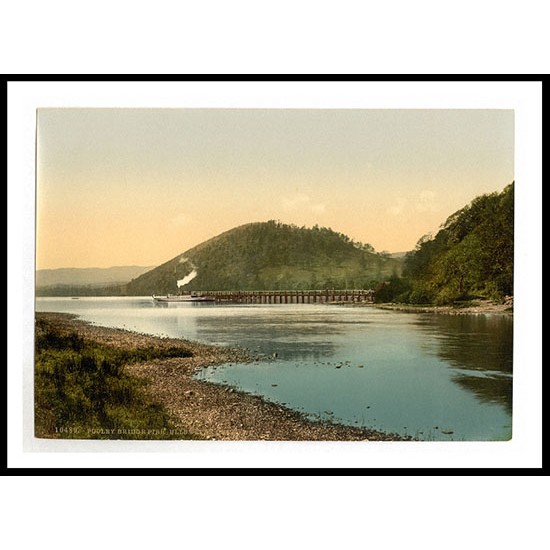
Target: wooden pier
{"x":329,"y":296}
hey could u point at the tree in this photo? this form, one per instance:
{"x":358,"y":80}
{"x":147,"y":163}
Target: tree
{"x":472,"y":253}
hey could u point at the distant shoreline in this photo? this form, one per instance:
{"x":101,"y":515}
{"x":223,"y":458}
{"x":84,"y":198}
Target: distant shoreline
{"x":207,"y":410}
{"x":481,"y":306}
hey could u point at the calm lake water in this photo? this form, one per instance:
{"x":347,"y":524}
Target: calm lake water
{"x":436,"y":377}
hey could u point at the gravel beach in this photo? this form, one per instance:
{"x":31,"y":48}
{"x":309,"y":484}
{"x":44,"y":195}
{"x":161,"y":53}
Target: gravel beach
{"x":206,"y":410}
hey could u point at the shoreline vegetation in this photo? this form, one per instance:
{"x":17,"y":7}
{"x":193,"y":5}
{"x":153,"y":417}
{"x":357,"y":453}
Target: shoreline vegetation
{"x":94,"y":382}
{"x":466,"y":308}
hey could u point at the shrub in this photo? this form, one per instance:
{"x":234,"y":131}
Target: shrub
{"x":81,"y":388}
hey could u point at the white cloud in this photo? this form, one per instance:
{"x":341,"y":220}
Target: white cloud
{"x":426,"y":201}
{"x":397,"y":207}
{"x":301,"y":201}
{"x":318,"y":208}
{"x":297,"y":201}
{"x":181,"y":220}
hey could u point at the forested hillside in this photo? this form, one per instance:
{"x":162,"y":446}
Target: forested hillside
{"x":270,"y":256}
{"x":472,"y":255}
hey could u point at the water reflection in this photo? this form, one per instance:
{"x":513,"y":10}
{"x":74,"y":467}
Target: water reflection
{"x":431,"y":376}
{"x":479,"y":349}
{"x":288,"y":336}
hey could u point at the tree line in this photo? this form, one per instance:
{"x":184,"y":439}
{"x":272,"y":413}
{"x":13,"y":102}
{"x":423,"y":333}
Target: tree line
{"x":471,"y":256}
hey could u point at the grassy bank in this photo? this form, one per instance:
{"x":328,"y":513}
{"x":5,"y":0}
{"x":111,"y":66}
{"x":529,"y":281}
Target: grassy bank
{"x":95,"y":382}
{"x":82,"y":390}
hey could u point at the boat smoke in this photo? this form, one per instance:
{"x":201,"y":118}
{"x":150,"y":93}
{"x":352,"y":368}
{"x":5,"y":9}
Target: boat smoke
{"x":188,"y":278}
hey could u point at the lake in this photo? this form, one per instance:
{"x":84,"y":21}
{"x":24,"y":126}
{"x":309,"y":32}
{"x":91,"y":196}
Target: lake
{"x":432,"y":376}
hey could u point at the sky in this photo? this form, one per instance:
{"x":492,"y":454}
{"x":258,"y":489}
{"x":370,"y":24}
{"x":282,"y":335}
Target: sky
{"x":140,"y":186}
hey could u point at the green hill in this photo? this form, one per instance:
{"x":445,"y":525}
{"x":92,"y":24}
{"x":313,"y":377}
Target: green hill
{"x":270,"y":256}
{"x":472,"y":255}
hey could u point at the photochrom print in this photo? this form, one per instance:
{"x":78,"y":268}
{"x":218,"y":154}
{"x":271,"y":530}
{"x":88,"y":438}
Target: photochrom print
{"x":274,"y":274}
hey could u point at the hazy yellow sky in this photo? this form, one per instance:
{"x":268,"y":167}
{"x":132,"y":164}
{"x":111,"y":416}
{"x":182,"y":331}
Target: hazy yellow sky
{"x":140,"y":186}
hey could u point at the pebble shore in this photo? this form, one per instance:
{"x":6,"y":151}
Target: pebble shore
{"x":207,"y":410}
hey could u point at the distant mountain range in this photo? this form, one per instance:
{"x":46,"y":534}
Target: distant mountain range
{"x":270,"y":256}
{"x":90,"y":276}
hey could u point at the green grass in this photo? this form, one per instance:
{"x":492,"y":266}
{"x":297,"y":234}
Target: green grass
{"x":83,"y":392}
